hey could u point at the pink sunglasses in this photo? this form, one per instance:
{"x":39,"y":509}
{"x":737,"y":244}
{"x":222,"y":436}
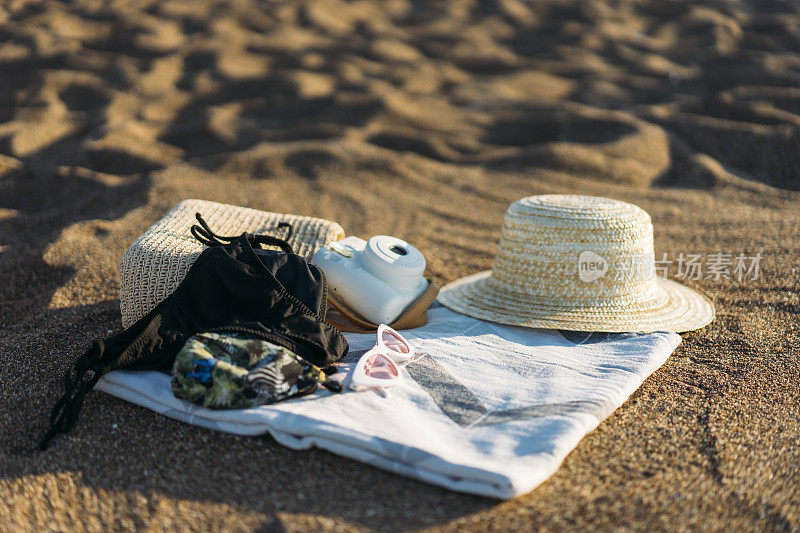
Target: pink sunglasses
{"x":378,"y":367}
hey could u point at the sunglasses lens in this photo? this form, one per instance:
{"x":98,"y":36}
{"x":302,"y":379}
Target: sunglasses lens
{"x":394,"y":342}
{"x":378,"y":366}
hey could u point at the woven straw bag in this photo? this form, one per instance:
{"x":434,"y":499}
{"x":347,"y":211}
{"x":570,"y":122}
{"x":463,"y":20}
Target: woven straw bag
{"x":157,"y":262}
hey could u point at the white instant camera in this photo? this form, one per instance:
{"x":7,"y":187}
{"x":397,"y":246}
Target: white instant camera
{"x":378,"y":279}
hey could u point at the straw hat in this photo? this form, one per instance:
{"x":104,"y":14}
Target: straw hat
{"x":577,"y":263}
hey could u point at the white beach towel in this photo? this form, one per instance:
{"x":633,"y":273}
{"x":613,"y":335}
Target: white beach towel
{"x":484,"y":408}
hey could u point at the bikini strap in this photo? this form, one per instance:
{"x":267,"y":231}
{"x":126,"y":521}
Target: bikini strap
{"x":204,"y":234}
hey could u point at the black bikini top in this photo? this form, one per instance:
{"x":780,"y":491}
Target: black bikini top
{"x":233,"y":286}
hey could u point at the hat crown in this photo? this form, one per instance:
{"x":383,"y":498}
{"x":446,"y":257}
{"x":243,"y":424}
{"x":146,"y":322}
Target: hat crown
{"x":573,"y":210}
{"x":576,"y":251}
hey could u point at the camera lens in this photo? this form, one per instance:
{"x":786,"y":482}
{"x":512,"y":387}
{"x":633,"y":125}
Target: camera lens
{"x":399,"y":250}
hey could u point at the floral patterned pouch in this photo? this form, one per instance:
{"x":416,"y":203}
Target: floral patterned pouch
{"x":236,"y":371}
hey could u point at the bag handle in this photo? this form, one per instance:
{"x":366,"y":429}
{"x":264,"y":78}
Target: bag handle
{"x":416,"y":315}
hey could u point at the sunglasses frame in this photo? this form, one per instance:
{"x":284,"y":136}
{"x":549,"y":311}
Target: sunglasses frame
{"x":397,"y":357}
{"x":361,"y":379}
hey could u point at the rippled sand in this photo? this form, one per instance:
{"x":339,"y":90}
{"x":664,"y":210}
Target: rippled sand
{"x":422,"y":120}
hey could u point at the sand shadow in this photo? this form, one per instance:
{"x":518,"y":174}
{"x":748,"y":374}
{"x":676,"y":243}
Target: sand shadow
{"x":35,"y":195}
{"x":272,"y":108}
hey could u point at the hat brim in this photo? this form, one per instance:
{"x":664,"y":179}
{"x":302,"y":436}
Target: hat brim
{"x":677,"y":308}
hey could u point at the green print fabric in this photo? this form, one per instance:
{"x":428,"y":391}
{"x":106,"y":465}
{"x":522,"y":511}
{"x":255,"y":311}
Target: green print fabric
{"x":233,"y":371}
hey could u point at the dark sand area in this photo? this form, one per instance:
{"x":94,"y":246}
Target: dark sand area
{"x":422,"y":120}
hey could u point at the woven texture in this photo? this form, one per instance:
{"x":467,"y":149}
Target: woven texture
{"x":578,"y":263}
{"x":157,"y":262}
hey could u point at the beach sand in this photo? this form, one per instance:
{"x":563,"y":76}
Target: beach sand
{"x":422,"y":120}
